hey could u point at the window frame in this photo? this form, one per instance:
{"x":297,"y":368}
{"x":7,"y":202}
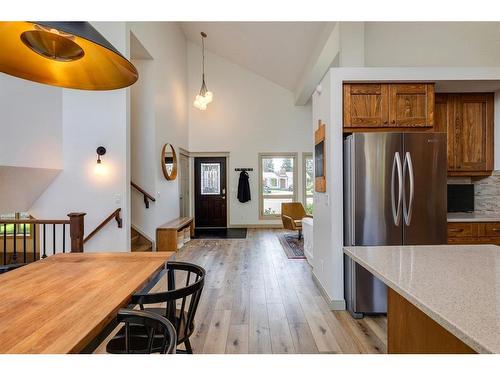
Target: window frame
{"x":305,"y":156}
{"x":19,"y":231}
{"x":293,"y":196}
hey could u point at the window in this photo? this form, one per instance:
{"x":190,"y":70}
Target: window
{"x":278,"y":176}
{"x":308,"y":181}
{"x":9,"y":228}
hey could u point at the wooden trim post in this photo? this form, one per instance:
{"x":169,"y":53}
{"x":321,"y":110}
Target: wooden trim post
{"x":76,"y":227}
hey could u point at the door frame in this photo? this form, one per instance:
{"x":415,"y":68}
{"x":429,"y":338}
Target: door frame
{"x":229,"y":192}
{"x":185,"y":153}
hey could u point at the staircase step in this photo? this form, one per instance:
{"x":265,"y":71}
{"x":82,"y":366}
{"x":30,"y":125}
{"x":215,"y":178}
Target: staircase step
{"x":142,"y":248}
{"x":134,"y":238}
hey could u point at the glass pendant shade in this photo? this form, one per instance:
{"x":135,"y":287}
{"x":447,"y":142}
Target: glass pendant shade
{"x":65,"y":54}
{"x":204,"y":97}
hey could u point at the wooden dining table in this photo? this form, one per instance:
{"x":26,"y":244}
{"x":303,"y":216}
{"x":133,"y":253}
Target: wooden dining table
{"x":63,"y":303}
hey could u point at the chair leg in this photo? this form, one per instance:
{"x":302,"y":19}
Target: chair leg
{"x":187,"y":344}
{"x":300,"y":234}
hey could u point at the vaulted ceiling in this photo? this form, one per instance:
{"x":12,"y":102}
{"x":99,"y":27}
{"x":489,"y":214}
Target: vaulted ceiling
{"x":278,"y":51}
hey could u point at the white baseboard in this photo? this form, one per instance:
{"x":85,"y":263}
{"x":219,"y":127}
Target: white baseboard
{"x":337,"y":305}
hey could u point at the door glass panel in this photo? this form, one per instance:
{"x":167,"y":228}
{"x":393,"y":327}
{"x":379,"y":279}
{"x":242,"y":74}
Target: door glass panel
{"x":210,"y":178}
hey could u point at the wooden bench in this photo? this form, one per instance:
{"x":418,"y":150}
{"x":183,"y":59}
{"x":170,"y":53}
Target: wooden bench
{"x":166,"y":234}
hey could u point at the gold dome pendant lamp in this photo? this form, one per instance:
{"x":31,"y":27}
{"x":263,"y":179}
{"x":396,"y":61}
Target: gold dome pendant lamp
{"x":204,"y":97}
{"x":65,"y":54}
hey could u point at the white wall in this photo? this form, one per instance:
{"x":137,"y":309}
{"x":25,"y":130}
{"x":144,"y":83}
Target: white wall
{"x":91,"y":119}
{"x":30,"y":141}
{"x":249,"y":115}
{"x":31,"y":125}
{"x":432,"y":44}
{"x":159,"y":115}
{"x":324,"y":262}
{"x":142,"y":151}
{"x":352,"y":44}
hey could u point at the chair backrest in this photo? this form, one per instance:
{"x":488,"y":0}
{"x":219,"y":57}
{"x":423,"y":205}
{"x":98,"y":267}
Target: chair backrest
{"x":294,"y":209}
{"x":155,"y":326}
{"x":187,"y":297}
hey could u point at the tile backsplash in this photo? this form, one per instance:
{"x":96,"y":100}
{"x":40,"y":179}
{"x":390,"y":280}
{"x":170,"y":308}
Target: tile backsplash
{"x":486,"y":192}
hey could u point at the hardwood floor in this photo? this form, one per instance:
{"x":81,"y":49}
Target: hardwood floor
{"x":256,"y":300}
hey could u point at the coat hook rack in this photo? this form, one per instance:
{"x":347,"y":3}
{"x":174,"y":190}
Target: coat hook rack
{"x":243,"y":169}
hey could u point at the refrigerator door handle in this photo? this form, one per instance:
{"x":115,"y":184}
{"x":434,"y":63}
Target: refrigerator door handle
{"x":408,"y":166}
{"x":396,"y":212}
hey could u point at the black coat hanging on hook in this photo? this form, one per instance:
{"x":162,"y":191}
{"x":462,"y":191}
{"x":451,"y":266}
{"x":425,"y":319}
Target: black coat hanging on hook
{"x":244,"y":188}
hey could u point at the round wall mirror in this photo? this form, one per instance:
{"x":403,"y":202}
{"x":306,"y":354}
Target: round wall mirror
{"x":169,"y":162}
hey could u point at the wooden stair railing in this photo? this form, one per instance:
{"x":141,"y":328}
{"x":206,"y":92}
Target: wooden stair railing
{"x":115,"y":215}
{"x":25,"y":240}
{"x":147,"y":197}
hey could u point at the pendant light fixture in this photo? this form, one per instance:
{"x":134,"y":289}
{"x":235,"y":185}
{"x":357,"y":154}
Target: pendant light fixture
{"x":204,"y":97}
{"x":65,"y":54}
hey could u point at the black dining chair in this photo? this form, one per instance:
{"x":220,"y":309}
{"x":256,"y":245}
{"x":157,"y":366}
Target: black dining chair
{"x":180,"y":309}
{"x":157,"y":334}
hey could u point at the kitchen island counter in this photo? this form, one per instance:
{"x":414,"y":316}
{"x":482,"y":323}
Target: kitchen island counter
{"x":457,"y":286}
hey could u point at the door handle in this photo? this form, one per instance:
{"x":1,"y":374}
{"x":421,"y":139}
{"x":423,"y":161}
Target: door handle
{"x":396,"y":164}
{"x":408,"y":166}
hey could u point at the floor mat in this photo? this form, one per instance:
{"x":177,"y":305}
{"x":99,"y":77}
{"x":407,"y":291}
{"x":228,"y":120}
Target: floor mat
{"x":293,"y":247}
{"x":220,"y":233}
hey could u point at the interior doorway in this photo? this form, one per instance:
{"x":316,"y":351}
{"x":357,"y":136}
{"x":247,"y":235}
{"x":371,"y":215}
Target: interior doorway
{"x":142,"y":131}
{"x":184,"y":197}
{"x":210,"y":192}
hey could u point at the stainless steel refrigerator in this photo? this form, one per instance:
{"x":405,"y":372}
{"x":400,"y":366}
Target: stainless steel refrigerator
{"x":394,"y":194}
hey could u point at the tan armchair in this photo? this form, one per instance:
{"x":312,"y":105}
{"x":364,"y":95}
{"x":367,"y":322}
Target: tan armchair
{"x":292,"y":215}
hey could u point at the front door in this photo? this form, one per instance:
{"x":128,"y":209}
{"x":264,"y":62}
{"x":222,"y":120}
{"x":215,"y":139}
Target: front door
{"x":210,"y":192}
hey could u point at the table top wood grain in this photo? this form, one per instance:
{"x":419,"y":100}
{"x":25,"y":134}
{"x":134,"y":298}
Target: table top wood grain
{"x":61,"y":303}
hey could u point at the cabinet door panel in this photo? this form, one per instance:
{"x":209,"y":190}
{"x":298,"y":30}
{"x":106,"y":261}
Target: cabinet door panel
{"x":411,"y":105}
{"x":365,"y":105}
{"x":491,"y":230}
{"x":474,"y":133}
{"x":444,"y":122}
{"x":462,"y":230}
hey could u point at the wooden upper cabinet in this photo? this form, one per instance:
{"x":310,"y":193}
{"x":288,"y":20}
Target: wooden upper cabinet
{"x":474,"y":133}
{"x":444,"y":112}
{"x":411,"y":105}
{"x":468,"y":121}
{"x":366,"y":105}
{"x":380,"y":106}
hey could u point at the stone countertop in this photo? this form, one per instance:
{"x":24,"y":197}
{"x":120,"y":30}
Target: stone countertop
{"x":458,"y":217}
{"x":458,"y":286}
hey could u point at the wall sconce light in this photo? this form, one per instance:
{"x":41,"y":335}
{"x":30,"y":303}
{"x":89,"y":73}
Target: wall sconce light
{"x":99,"y":169}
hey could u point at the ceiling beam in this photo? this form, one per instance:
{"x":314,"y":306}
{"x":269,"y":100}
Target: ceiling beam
{"x":322,"y":58}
